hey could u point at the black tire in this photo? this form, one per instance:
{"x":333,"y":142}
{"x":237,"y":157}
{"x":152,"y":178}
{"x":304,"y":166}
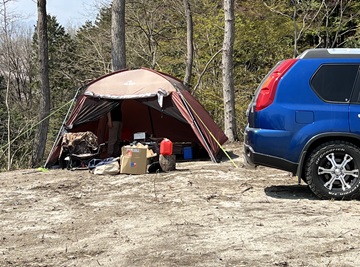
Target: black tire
{"x":332,"y":171}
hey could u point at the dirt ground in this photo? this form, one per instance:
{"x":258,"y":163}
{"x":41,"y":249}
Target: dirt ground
{"x":201,"y":214}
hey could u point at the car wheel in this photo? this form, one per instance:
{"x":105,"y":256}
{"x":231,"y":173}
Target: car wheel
{"x":332,"y":171}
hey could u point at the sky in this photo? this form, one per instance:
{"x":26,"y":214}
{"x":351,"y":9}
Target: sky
{"x":67,"y":12}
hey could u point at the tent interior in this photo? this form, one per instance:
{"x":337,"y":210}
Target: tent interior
{"x":139,"y":116}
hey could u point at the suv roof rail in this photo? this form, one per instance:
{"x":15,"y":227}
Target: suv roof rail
{"x":331,"y":53}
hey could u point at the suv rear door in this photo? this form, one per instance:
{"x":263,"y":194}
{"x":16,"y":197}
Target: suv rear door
{"x":354,"y":109}
{"x":334,"y":83}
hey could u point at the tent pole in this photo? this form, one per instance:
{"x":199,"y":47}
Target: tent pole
{"x":62,"y":125}
{"x":196,"y":125}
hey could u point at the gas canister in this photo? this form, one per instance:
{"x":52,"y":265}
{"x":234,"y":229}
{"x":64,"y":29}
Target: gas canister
{"x":166,"y":147}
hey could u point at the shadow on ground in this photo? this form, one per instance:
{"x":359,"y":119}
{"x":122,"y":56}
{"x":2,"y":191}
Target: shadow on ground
{"x":230,"y":155}
{"x":290,"y":192}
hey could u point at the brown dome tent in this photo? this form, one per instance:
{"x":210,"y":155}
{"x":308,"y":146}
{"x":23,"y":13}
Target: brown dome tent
{"x":152,"y":102}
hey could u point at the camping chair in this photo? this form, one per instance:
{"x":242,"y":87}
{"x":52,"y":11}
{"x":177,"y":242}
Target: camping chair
{"x":79,"y":149}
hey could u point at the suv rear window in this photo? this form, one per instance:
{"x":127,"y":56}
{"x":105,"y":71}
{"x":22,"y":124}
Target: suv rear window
{"x":335,"y":82}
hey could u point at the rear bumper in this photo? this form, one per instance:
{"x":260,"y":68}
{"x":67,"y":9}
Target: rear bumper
{"x":248,"y":156}
{"x":252,"y":159}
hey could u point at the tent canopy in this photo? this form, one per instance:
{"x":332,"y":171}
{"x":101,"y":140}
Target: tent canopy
{"x":133,"y":84}
{"x":152,"y":102}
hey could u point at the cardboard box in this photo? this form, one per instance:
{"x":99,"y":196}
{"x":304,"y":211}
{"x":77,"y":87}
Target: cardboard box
{"x":133,"y":160}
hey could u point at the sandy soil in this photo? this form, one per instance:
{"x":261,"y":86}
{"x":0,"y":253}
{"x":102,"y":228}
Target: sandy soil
{"x":202,"y":214}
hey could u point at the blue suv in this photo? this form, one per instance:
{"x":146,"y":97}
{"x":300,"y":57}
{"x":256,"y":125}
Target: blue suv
{"x":305,"y":119}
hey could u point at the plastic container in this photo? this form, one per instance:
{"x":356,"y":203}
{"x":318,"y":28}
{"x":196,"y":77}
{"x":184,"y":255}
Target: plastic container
{"x":188,"y":153}
{"x":166,"y":147}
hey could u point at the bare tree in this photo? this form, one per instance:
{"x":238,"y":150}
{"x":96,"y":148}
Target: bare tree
{"x":6,"y":44}
{"x":15,"y":45}
{"x":44,"y":107}
{"x":189,"y":43}
{"x":150,"y":26}
{"x":118,"y":51}
{"x":228,"y":76}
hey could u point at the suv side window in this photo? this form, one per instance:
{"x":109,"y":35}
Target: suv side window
{"x":334,"y":82}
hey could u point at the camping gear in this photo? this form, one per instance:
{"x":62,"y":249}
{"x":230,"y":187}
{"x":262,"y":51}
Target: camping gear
{"x":99,"y":162}
{"x":188,"y":153}
{"x":77,"y":149}
{"x":140,"y":137}
{"x":154,"y":167}
{"x":109,"y":167}
{"x":166,"y":147}
{"x":133,"y":160}
{"x":152,"y":102}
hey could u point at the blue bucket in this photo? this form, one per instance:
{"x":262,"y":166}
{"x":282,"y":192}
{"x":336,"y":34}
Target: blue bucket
{"x":188,"y":153}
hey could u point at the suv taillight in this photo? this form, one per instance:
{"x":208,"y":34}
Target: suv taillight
{"x":268,"y":88}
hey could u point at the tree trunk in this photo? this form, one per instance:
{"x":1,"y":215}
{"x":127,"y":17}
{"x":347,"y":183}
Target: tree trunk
{"x":7,"y":46}
{"x":189,"y":43}
{"x":228,"y":76}
{"x":44,"y":105}
{"x":118,"y":51}
{"x":295,"y":28}
{"x":8,"y":122}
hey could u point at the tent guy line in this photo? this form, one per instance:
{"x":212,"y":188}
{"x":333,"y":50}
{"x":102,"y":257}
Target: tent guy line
{"x":33,"y":126}
{"x":221,"y":147}
{"x":72,"y":101}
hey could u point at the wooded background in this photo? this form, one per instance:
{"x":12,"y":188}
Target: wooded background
{"x":266,"y":31}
